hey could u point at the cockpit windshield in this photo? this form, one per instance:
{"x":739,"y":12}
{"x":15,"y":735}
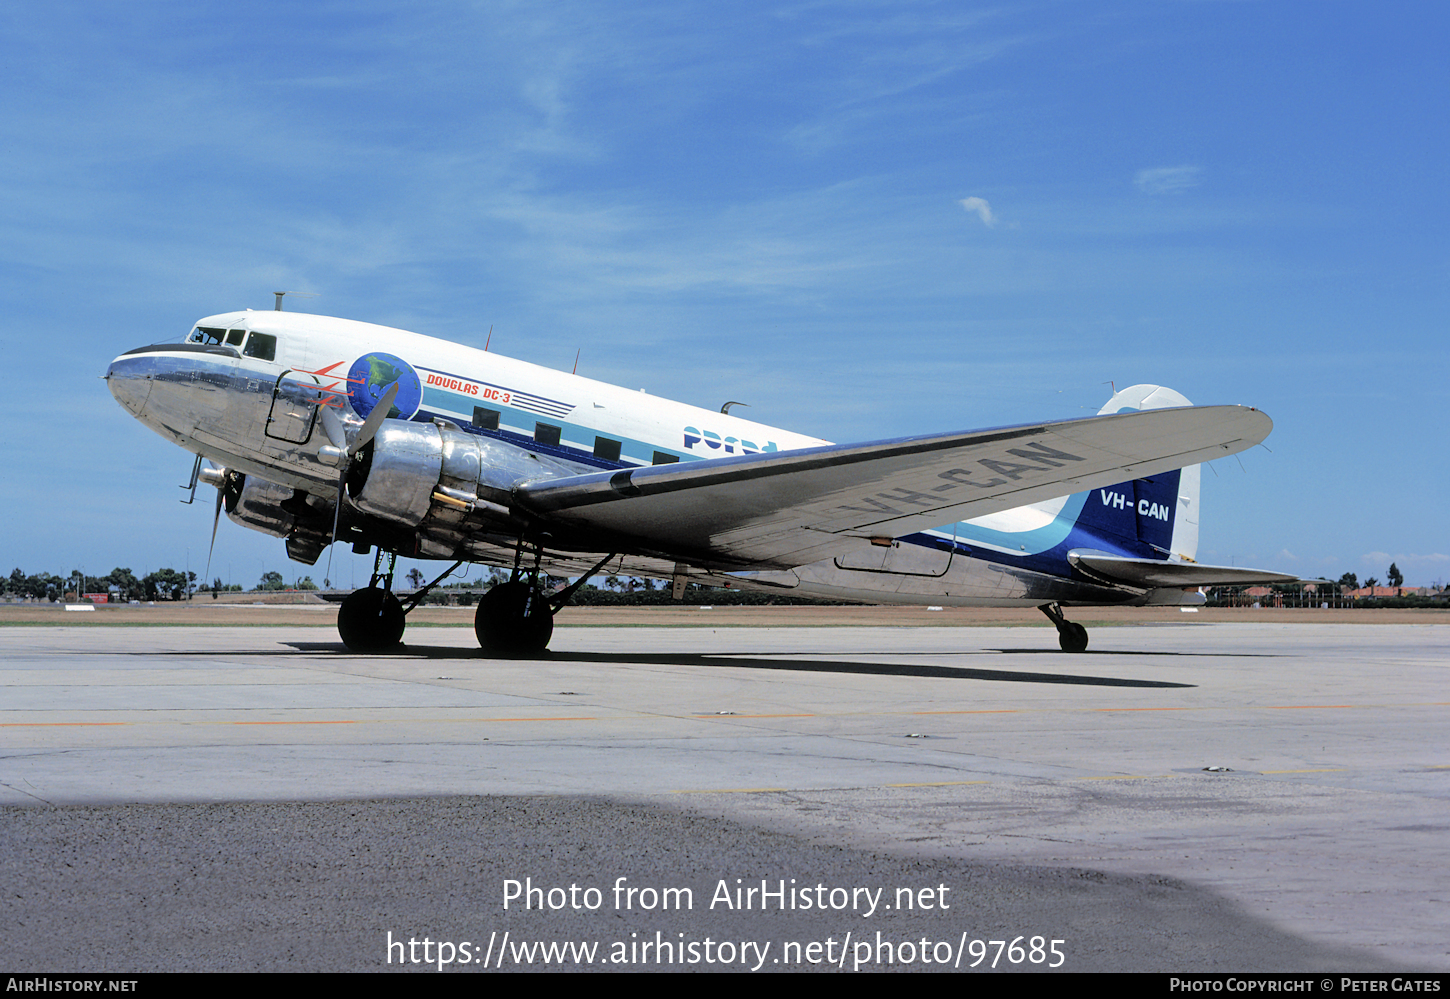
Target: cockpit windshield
{"x":212,"y":335}
{"x":262,"y":346}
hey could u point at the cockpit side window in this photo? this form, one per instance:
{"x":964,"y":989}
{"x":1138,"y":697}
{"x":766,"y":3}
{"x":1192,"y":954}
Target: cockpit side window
{"x":234,"y":337}
{"x":262,"y":346}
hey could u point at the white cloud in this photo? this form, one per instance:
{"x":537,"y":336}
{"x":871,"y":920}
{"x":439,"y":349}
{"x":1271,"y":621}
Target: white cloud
{"x":983,"y":210}
{"x":1429,"y":560}
{"x":1166,"y":180}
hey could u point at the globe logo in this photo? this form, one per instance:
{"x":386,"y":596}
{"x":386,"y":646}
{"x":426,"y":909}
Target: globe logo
{"x":373,"y":374}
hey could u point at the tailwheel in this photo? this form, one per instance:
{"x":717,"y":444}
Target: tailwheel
{"x":514,"y":620}
{"x":1071,"y":637}
{"x":371,"y":620}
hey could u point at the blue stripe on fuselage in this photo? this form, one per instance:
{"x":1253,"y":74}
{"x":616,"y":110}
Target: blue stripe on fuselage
{"x":566,"y":451}
{"x":458,"y":408}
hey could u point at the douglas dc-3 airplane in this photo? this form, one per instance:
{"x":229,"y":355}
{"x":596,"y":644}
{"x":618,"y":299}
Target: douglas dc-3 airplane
{"x":333,"y":430}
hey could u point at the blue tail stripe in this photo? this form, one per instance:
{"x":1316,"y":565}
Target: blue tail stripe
{"x":1132,"y":518}
{"x":1032,"y":542}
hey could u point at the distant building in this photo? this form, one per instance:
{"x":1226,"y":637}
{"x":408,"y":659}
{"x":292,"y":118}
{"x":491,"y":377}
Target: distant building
{"x":1388,"y":591}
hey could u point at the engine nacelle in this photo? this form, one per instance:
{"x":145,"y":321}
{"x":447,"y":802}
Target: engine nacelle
{"x":393,"y":478}
{"x":257,"y":503}
{"x":411,"y":470}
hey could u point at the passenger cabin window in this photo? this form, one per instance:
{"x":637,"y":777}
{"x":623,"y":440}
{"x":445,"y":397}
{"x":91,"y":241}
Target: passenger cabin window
{"x":262,"y":346}
{"x":661,"y":458}
{"x":485,"y":419}
{"x":546,"y":434}
{"x":606,"y":449}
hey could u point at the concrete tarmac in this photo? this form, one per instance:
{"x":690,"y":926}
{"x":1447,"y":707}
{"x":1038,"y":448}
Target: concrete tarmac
{"x":1181,"y":797}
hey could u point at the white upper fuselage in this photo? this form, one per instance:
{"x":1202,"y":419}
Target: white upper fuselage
{"x":455,"y":379}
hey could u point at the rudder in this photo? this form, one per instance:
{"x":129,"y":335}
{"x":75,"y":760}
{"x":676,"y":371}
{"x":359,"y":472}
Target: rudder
{"x":1149,"y":518}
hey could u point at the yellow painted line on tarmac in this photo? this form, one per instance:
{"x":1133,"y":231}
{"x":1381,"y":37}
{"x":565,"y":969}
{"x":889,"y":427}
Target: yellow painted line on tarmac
{"x":546,"y":718}
{"x":978,"y":711}
{"x":940,"y":783}
{"x":457,"y":721}
{"x":1301,"y":707}
{"x":327,"y":721}
{"x":404,"y":721}
{"x":55,"y":724}
{"x":1325,"y":770}
{"x":561,"y":718}
{"x":1143,"y":709}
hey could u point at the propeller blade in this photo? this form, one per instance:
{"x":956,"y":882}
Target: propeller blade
{"x":332,"y":426}
{"x":336,"y":516}
{"x":216,"y":518}
{"x":375,"y":419}
{"x":367,"y":433}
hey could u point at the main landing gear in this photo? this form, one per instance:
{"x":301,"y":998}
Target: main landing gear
{"x":1071,"y":637}
{"x":515,"y":620}
{"x":373,"y":619}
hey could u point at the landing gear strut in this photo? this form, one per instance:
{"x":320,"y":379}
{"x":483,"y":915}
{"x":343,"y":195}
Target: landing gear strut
{"x":372,"y":620}
{"x":516,"y":619}
{"x":1071,"y":637}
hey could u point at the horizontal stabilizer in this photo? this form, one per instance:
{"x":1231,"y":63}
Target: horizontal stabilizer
{"x":1149,"y":573}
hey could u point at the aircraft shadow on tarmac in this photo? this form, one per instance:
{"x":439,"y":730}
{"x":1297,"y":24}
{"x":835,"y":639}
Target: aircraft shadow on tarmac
{"x":752,"y":662}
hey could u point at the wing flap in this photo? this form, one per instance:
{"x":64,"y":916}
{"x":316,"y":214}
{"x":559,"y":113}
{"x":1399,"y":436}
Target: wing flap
{"x":790,"y":508}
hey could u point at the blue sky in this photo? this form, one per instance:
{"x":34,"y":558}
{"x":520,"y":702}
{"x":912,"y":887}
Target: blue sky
{"x":864,"y":219}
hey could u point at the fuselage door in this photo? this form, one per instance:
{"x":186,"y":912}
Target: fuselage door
{"x":295,"y":399}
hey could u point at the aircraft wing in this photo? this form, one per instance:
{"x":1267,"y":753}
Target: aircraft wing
{"x":1148,"y":573}
{"x":796,"y":507}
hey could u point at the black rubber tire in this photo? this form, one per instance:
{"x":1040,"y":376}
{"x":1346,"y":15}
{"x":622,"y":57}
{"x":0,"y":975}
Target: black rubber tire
{"x":371,"y":620}
{"x":513,"y":621}
{"x":1072,"y":637}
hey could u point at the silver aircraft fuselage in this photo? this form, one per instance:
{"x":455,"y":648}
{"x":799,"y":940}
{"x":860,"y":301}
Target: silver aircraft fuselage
{"x":275,"y":397}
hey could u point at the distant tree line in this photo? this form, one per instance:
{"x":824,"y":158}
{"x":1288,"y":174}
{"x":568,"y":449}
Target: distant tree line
{"x":276,"y":581}
{"x":1393,"y":577}
{"x":122,"y":584}
{"x":163,"y":584}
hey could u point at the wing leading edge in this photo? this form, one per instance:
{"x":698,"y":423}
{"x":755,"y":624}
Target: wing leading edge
{"x":792,"y":508}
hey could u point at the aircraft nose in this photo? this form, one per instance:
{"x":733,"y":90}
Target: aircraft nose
{"x":129,"y":379}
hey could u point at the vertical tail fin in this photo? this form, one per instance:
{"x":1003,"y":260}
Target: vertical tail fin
{"x":1151,"y":518}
